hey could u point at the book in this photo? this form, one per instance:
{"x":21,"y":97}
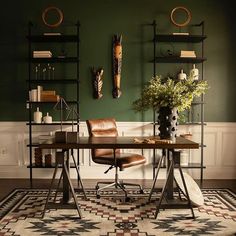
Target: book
{"x":42,"y":52}
{"x":48,"y":92}
{"x":45,"y":139}
{"x":187,"y":53}
{"x":180,"y":33}
{"x":42,"y":56}
{"x":49,"y":98}
{"x":51,"y":34}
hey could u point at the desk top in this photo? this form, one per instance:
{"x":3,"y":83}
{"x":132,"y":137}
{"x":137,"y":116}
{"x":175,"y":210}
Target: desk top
{"x":119,"y":142}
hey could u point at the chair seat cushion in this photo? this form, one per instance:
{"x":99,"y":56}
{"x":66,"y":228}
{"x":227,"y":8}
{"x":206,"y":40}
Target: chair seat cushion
{"x":123,"y":160}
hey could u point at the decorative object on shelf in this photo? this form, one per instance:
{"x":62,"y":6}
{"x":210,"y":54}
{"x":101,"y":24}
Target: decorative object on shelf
{"x":159,"y":93}
{"x":42,"y":54}
{"x":33,"y":95}
{"x":45,"y":16}
{"x":45,"y":138}
{"x":49,"y":71}
{"x":37,"y":72}
{"x":61,"y":136}
{"x":38,"y":157}
{"x":38,"y":116}
{"x":167,"y":50}
{"x":194,"y":72}
{"x":72,"y":137}
{"x":184,"y":157}
{"x":53,"y":72}
{"x":49,"y":96}
{"x":173,"y":14}
{"x":97,"y":82}
{"x":62,"y":54}
{"x":47,"y":119}
{"x":182,"y":75}
{"x":39,"y":91}
{"x":44,"y":73}
{"x":167,"y":120}
{"x":117,"y":62}
{"x":48,"y":160}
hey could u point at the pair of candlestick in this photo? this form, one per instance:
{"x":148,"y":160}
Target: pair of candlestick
{"x":44,"y":73}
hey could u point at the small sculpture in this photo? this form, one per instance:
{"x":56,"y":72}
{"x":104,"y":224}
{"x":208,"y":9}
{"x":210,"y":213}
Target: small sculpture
{"x":117,"y":61}
{"x":97,"y":82}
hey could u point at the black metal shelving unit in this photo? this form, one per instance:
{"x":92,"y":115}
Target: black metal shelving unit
{"x":192,"y":39}
{"x":40,"y":39}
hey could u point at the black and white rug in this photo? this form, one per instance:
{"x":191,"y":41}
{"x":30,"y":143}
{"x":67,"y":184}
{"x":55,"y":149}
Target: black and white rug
{"x":21,"y":211}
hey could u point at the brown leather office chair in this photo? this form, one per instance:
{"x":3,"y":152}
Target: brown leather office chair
{"x":107,"y":128}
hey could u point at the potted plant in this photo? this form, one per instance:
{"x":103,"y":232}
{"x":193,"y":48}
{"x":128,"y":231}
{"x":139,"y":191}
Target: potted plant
{"x":169,"y":96}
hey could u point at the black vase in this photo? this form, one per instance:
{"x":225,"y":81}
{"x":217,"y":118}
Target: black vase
{"x":167,"y":120}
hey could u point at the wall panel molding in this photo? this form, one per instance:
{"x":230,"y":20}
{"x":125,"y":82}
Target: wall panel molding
{"x":219,"y":154}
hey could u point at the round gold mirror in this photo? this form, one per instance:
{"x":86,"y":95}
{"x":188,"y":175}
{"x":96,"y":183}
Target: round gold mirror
{"x":59,"y":15}
{"x":181,"y":10}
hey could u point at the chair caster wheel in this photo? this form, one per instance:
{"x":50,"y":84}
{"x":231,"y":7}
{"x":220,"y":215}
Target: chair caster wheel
{"x":98,"y":196}
{"x":127,"y":199}
{"x":141,"y":191}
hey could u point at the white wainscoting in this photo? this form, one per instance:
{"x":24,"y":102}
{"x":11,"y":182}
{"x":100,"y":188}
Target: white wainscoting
{"x":219,"y":153}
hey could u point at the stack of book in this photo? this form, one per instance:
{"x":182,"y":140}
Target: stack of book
{"x":187,"y":53}
{"x":40,"y":95}
{"x":42,"y":54}
{"x":49,"y":96}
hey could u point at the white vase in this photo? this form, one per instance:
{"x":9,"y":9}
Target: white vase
{"x":38,"y":116}
{"x":194,"y":72}
{"x":182,"y":75}
{"x":47,"y":119}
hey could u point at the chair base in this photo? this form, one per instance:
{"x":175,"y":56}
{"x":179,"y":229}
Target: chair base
{"x":117,"y":184}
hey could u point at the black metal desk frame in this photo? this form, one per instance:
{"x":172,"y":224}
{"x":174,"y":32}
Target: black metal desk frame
{"x":123,"y":143}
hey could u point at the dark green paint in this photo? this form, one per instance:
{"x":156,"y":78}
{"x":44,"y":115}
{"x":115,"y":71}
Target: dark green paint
{"x":99,"y":21}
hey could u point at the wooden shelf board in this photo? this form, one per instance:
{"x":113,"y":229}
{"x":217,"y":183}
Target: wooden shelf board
{"x":179,"y":38}
{"x":54,"y":60}
{"x":176,"y":59}
{"x":63,"y":81}
{"x":53,"y":38}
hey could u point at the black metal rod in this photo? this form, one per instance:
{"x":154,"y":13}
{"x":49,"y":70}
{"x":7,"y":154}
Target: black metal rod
{"x":155,"y":179}
{"x":29,"y":105}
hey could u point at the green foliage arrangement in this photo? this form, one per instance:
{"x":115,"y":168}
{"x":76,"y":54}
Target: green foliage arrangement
{"x":171,"y":93}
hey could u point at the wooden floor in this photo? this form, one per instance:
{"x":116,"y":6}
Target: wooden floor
{"x":7,"y":185}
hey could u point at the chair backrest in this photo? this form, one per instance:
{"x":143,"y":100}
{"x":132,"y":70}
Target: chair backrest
{"x":102,"y":128}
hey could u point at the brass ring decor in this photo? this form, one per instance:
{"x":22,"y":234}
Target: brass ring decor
{"x":45,"y":13}
{"x":180,"y":8}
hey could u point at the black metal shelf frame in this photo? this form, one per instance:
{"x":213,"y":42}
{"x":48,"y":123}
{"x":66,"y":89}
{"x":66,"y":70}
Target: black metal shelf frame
{"x":158,"y":38}
{"x":44,"y":39}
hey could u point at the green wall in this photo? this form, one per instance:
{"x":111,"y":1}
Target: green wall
{"x":99,"y":21}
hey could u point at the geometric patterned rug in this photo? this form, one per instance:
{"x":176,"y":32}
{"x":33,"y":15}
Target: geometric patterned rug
{"x":21,"y":211}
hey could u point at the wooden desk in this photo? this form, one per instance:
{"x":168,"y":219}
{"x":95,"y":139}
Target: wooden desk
{"x":119,"y":142}
{"x":126,"y":143}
